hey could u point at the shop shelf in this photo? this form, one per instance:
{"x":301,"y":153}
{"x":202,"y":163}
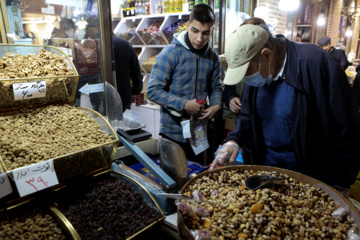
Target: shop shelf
{"x":147,"y":58}
{"x":173,"y":24}
{"x":149,"y":30}
{"x":127,"y":29}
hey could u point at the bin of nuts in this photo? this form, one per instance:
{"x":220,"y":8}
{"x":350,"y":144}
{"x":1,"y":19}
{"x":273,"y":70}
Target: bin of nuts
{"x":79,"y":140}
{"x":109,"y":206}
{"x":28,"y":68}
{"x":149,"y":63}
{"x":33,"y":221}
{"x":303,"y":208}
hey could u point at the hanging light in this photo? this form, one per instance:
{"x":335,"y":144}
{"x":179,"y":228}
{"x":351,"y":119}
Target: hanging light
{"x":348,"y":32}
{"x":289,"y":5}
{"x":321,"y":19}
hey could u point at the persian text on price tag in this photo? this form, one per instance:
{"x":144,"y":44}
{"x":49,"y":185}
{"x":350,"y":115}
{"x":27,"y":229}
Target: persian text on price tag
{"x":27,"y":90}
{"x":5,"y":187}
{"x":35,"y":177}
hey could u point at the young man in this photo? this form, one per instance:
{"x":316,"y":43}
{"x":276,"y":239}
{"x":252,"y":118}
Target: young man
{"x":185,"y":71}
{"x":297,"y":110}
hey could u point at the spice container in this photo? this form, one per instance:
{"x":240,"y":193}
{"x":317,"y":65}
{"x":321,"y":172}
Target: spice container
{"x":304,"y":207}
{"x":109,"y":205}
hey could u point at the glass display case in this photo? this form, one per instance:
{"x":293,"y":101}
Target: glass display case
{"x":79,"y":28}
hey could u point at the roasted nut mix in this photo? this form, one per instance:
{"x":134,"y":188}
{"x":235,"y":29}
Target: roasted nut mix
{"x":230,"y":211}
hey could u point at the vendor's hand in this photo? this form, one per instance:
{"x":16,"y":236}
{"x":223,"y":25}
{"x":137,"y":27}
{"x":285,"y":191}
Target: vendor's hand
{"x":193,"y":108}
{"x":235,"y":105}
{"x":229,"y":150}
{"x":209,"y":112}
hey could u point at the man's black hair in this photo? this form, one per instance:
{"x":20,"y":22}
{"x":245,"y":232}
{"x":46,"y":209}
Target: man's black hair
{"x":202,"y":13}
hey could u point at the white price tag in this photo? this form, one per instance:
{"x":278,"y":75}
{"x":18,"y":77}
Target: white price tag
{"x":48,"y":10}
{"x":35,"y":177}
{"x":27,"y":90}
{"x":5,"y":187}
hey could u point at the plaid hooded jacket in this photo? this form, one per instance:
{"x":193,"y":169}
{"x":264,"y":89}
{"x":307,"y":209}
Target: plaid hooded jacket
{"x":180,"y":75}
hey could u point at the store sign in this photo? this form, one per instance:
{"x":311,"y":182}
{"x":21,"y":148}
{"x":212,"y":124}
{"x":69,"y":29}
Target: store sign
{"x":35,"y":177}
{"x":27,"y":90}
{"x":5,"y":187}
{"x":71,"y":3}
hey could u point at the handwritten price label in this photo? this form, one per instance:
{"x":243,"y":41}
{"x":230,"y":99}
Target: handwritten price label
{"x":35,"y":177}
{"x":5,"y":187}
{"x":27,"y":90}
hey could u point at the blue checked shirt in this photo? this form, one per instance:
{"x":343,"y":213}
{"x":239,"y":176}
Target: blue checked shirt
{"x":178,"y":76}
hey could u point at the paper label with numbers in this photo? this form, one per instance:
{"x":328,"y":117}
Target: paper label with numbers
{"x":27,"y":90}
{"x":35,"y":177}
{"x":5,"y":187}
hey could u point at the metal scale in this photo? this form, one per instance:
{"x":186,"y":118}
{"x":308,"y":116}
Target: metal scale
{"x":172,"y":172}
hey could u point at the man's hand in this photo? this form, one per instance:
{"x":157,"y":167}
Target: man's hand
{"x":193,"y":108}
{"x":209,"y":112}
{"x":229,"y":150}
{"x":235,"y":105}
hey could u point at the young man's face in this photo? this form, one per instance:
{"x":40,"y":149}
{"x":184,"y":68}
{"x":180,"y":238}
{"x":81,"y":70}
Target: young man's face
{"x":199,"y":33}
{"x":326,"y":46}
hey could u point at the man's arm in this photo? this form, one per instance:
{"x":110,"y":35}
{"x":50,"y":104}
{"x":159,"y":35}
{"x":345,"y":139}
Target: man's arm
{"x":159,"y":83}
{"x":343,"y":60}
{"x":135,"y":72}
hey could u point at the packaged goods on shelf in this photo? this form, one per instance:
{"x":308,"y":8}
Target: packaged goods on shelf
{"x":175,"y":27}
{"x":127,"y":30}
{"x":151,"y":34}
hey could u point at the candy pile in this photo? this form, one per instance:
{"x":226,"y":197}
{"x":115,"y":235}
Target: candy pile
{"x":176,"y":27}
{"x":151,"y":34}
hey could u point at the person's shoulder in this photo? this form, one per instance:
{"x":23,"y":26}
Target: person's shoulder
{"x":309,"y":51}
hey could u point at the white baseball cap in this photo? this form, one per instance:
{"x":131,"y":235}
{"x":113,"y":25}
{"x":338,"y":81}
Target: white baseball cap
{"x":240,"y":47}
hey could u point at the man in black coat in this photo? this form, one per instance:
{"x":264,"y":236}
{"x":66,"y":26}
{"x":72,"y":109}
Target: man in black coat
{"x":297,"y":109}
{"x":338,"y":54}
{"x":128,"y":74}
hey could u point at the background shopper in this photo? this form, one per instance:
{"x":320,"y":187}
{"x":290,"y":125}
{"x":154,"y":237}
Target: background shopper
{"x":128,"y":73}
{"x":338,"y":54}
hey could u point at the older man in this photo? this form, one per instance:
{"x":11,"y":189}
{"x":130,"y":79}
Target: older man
{"x":297,"y":110}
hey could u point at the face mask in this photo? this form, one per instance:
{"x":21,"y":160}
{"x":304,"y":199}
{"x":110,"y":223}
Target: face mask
{"x":256,"y":80}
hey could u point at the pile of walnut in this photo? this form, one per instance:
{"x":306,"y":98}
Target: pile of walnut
{"x":229,"y":211}
{"x":45,"y":133}
{"x":44,"y":64}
